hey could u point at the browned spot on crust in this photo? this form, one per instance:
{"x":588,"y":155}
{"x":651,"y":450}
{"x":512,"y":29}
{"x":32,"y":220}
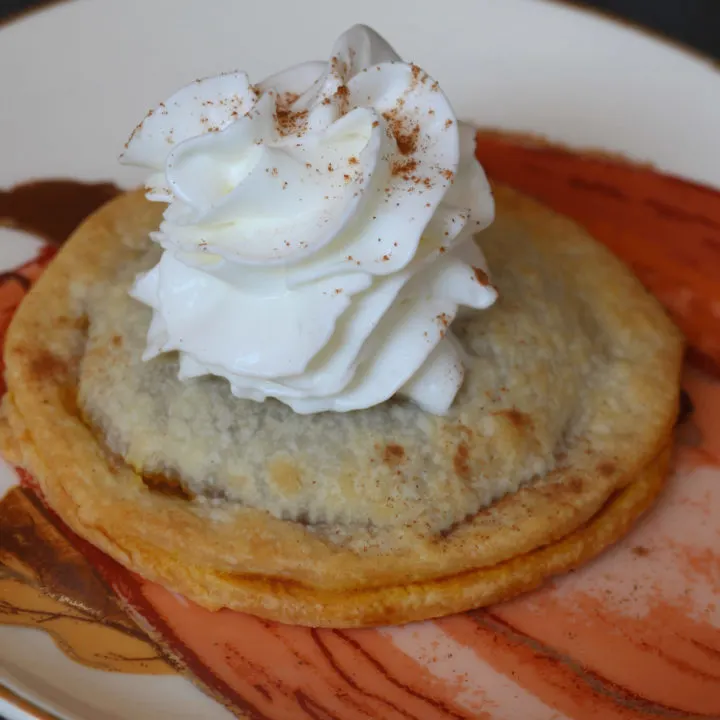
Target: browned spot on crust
{"x":461,"y":461}
{"x":394,"y":454}
{"x":575,"y":484}
{"x":166,"y":485}
{"x":50,"y":370}
{"x":606,"y":468}
{"x":640,"y":551}
{"x":44,"y":365}
{"x":465,"y":430}
{"x":116,"y":341}
{"x":69,"y":399}
{"x":278,"y":585}
{"x":481,"y":276}
{"x":519,"y":419}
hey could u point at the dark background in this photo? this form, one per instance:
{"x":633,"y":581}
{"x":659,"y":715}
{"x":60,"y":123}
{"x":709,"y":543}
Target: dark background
{"x":693,"y":22}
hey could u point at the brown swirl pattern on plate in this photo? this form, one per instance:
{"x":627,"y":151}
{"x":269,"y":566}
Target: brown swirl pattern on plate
{"x":46,"y":584}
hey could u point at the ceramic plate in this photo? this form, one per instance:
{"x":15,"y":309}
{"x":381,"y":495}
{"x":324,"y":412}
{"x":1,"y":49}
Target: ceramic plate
{"x":77,"y":76}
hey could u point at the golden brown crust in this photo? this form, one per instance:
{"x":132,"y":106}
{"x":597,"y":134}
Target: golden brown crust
{"x":246,"y":559}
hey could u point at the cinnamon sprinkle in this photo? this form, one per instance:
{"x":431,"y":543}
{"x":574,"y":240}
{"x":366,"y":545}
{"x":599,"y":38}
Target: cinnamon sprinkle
{"x":406,"y":134}
{"x":291,"y":122}
{"x":443,"y":319}
{"x":481,"y":276}
{"x":404,"y":168}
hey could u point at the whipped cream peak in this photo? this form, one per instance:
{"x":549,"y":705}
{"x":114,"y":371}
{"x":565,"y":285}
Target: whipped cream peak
{"x":318,"y":231}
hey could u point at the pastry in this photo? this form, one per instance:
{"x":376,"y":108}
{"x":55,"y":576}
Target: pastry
{"x":335,"y":415}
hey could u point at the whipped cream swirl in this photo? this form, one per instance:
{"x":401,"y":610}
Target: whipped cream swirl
{"x":318,"y":231}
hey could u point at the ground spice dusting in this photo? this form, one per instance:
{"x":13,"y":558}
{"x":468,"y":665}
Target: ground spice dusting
{"x":461,"y":461}
{"x":404,"y":168}
{"x":393,"y":454}
{"x":448,"y":174}
{"x":418,"y":76}
{"x":407,"y":141}
{"x":352,"y":160}
{"x":290,"y":122}
{"x":424,"y":181}
{"x":406,"y":135}
{"x":481,"y":276}
{"x":518,"y":419}
{"x":443,"y":319}
{"x":288,"y":98}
